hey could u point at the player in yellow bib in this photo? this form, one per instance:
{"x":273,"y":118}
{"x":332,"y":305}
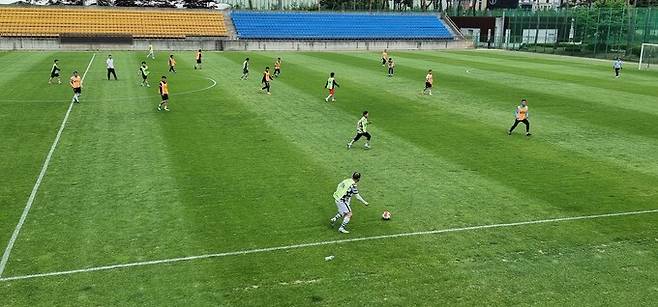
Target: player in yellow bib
{"x":151,"y":54}
{"x":343,"y":195}
{"x":361,"y":131}
{"x":521,"y":116}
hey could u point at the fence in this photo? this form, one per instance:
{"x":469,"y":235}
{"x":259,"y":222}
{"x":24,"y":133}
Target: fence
{"x":591,"y":32}
{"x":336,"y":5}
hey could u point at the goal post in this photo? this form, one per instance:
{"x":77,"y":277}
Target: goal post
{"x":648,"y":55}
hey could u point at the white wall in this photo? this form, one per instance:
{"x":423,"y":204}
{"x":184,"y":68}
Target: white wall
{"x":236,"y":45}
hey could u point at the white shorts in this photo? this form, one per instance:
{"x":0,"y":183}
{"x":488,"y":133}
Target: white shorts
{"x":343,"y":207}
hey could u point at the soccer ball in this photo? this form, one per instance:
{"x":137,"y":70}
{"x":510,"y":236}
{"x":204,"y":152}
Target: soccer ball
{"x":386,"y":215}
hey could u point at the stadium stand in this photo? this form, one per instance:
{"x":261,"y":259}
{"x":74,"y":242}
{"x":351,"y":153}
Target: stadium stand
{"x":51,"y":22}
{"x":339,"y":26}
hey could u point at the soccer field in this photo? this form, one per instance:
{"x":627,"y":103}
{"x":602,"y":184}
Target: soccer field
{"x":226,"y":199}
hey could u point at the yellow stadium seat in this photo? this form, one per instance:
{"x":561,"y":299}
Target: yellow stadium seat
{"x":50,"y":22}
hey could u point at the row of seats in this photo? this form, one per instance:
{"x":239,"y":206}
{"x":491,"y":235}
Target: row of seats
{"x":337,"y":26}
{"x":139,"y":23}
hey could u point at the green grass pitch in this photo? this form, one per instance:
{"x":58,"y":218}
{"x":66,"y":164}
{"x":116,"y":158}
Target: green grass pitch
{"x":232,"y":169}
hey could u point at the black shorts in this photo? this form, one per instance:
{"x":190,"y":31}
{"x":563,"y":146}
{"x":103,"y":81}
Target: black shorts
{"x":277,"y":70}
{"x":54,"y":74}
{"x":428,"y":85}
{"x":77,"y":90}
{"x":165,"y":96}
{"x":360,"y":134}
{"x":245,"y":71}
{"x":198,"y":61}
{"x":145,"y":77}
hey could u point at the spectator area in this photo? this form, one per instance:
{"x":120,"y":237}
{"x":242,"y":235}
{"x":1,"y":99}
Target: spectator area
{"x":337,"y":26}
{"x":51,"y":22}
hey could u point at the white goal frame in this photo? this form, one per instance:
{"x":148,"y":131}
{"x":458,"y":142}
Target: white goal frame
{"x":639,"y":66}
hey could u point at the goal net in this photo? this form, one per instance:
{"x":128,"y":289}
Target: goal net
{"x":648,"y":56}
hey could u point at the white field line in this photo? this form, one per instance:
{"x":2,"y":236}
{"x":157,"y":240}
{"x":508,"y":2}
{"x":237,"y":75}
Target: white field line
{"x":544,"y":55}
{"x":304,"y":245}
{"x":35,"y":189}
{"x":132,"y":98}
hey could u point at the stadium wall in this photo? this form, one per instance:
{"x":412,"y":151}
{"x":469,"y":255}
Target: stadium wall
{"x":22,"y":43}
{"x":295,"y":45}
{"x":15,"y":43}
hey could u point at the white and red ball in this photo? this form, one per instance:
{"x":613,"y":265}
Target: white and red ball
{"x":386,"y":215}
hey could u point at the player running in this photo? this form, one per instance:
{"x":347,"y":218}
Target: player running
{"x":198,"y":60}
{"x":331,"y":85}
{"x":151,"y":54}
{"x":384,"y":57}
{"x":54,"y":73}
{"x":521,"y":116}
{"x":361,"y":130}
{"x":164,"y":93}
{"x":343,"y":195}
{"x":429,"y":80}
{"x":267,"y":78}
{"x":144,"y":71}
{"x":277,"y":67}
{"x":391,"y":67}
{"x":76,"y":85}
{"x":172,"y":63}
{"x":245,"y":69}
{"x":617,"y":66}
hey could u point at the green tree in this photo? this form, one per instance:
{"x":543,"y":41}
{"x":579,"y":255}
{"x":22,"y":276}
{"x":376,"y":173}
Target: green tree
{"x":124,"y":3}
{"x":196,"y":4}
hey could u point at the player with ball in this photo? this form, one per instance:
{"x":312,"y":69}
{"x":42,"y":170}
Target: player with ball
{"x":343,"y":195}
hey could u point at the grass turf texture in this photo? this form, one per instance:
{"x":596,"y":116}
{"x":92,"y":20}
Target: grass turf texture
{"x":233,"y":169}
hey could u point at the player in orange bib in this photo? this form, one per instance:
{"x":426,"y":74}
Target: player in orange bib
{"x":521,"y":114}
{"x":384,"y":57}
{"x":76,"y":85}
{"x":172,"y":63}
{"x":429,"y":81}
{"x":164,"y":93}
{"x":267,"y":78}
{"x":277,"y":68}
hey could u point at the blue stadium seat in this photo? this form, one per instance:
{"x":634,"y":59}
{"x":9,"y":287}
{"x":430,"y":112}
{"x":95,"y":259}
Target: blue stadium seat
{"x":338,"y":26}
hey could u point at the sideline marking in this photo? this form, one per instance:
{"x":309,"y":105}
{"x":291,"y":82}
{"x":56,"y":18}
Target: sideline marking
{"x":35,"y":189}
{"x":303,"y":245}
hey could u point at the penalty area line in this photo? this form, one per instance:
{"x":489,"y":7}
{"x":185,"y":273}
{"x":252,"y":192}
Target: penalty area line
{"x":37,"y":184}
{"x":320,"y":243}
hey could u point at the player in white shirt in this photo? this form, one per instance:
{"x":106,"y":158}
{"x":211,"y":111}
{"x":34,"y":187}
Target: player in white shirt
{"x":110,"y":67}
{"x":617,"y":66}
{"x":331,"y":85}
{"x":151,"y":53}
{"x":343,"y":195}
{"x":245,"y":69}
